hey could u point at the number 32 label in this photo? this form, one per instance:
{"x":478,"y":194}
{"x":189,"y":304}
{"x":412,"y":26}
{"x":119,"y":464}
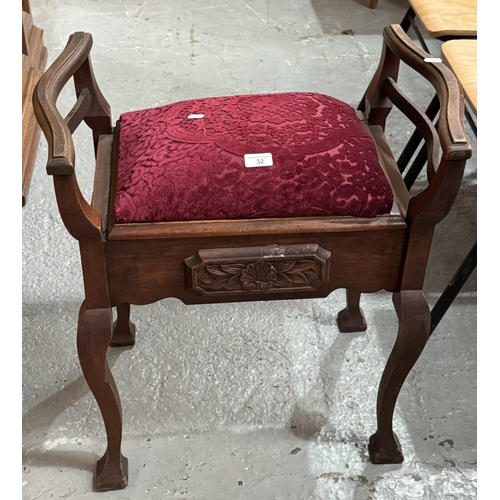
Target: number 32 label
{"x":259,"y":160}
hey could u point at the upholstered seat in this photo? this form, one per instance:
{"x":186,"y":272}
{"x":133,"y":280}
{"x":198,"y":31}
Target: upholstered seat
{"x":186,"y":161}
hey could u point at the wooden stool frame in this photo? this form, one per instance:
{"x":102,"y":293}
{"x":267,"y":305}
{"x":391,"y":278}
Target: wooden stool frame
{"x":142,"y":263}
{"x":469,"y":263}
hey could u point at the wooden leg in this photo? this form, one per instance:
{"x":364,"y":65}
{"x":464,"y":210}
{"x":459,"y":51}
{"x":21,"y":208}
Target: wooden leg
{"x":123,"y":328}
{"x":414,"y":328}
{"x":94,"y":336}
{"x":351,"y":319}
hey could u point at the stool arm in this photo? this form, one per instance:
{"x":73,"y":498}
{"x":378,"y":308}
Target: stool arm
{"x":61,"y":157}
{"x":82,"y":220}
{"x":399,"y":47}
{"x":435,"y":201}
{"x":451,"y":124}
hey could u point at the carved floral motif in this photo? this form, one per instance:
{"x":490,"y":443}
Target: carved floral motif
{"x":260,"y":275}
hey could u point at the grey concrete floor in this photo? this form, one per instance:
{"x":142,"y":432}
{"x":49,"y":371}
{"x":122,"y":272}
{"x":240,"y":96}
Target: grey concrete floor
{"x":244,"y":401}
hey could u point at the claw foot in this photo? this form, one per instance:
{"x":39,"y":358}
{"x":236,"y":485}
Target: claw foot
{"x":111,"y":474}
{"x":385,"y":453}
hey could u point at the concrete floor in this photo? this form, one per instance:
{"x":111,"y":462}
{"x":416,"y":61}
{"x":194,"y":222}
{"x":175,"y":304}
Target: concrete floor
{"x":244,"y":401}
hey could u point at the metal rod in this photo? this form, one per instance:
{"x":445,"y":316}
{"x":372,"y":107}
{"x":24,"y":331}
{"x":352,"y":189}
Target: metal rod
{"x":407,"y":19}
{"x":416,"y":168}
{"x":451,"y":291}
{"x":471,"y":121}
{"x":419,"y":34}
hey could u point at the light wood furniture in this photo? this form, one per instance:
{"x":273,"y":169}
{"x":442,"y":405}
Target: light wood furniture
{"x":139,"y":263}
{"x":441,"y":19}
{"x":372,"y":4}
{"x":461,"y":57}
{"x":445,"y":18}
{"x":34,"y":59}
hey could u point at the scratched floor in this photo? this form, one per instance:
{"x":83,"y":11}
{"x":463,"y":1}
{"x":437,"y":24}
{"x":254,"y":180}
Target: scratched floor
{"x":247,"y":401}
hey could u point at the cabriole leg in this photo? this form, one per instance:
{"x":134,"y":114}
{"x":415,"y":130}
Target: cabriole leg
{"x":94,"y":336}
{"x":351,"y":319}
{"x":414,"y":327}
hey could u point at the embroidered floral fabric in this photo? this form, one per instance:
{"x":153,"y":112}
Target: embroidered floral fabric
{"x":173,"y":166}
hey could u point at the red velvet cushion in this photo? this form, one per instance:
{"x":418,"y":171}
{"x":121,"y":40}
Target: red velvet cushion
{"x":174,"y":168}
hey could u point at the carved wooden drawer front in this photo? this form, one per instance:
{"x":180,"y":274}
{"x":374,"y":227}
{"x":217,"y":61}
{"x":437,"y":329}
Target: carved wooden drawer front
{"x":272,"y":268}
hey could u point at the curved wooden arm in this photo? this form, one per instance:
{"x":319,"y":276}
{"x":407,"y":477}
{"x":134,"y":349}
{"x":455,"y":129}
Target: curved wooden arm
{"x":399,"y":47}
{"x":82,"y":220}
{"x":61,"y":157}
{"x":454,"y":142}
{"x":434,"y":202}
